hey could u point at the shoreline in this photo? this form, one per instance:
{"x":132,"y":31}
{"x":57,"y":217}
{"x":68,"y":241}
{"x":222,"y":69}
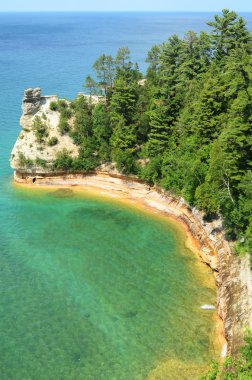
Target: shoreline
{"x":125,"y":197}
{"x":135,"y":191}
{"x":205,"y":239}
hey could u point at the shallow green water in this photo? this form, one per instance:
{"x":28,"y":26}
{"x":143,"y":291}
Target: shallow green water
{"x":96,"y":290}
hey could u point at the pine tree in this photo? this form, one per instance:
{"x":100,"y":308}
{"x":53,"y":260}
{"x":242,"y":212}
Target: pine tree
{"x":122,"y":58}
{"x":105,"y":70}
{"x":229,"y":32}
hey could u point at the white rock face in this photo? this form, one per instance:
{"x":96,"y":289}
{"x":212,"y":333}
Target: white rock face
{"x":34,"y":105}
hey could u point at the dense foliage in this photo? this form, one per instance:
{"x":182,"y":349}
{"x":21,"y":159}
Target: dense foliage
{"x":239,"y":368}
{"x":185,"y":127}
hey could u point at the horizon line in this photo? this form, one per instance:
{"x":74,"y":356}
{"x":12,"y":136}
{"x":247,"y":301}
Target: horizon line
{"x":116,"y":11}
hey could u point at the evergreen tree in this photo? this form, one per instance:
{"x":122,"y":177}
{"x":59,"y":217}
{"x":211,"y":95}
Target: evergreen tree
{"x":83,"y":124}
{"x":105,"y":69}
{"x":123,"y":57}
{"x":102,"y":131}
{"x":91,"y":85}
{"x":229,"y":32}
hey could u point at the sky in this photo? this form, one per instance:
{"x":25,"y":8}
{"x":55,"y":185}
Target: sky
{"x":126,"y":5}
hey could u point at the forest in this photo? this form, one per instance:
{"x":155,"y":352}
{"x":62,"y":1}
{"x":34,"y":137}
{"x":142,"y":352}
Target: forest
{"x":185,"y":125}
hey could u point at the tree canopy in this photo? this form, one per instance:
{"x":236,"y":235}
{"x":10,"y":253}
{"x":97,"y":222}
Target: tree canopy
{"x":186,"y":127}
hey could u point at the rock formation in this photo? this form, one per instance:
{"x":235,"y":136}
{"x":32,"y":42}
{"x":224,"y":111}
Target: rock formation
{"x":28,"y":155}
{"x":31,"y":101}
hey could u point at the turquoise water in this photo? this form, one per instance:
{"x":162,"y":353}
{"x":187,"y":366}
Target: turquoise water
{"x":90,"y":288}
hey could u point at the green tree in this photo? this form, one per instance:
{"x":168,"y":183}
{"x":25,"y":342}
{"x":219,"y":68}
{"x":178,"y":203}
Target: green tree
{"x":102,"y":131}
{"x":91,"y":85}
{"x":160,"y":129}
{"x":153,"y":58}
{"x":123,"y":143}
{"x":105,"y":69}
{"x":229,"y":32}
{"x":123,"y":57}
{"x":83,"y":125}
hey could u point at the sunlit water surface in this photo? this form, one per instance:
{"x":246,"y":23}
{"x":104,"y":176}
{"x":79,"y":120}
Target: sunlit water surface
{"x":94,"y":289}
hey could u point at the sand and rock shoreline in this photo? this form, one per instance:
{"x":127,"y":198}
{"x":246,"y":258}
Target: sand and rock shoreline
{"x":232,"y":274}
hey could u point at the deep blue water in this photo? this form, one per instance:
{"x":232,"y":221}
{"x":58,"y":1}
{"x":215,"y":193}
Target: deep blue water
{"x":55,"y":51}
{"x":56,"y":320}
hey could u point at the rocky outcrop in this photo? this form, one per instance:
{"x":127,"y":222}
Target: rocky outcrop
{"x":29,"y":156}
{"x":30,"y":106}
{"x":31,"y":101}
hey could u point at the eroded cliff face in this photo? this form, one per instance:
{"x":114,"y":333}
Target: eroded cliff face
{"x":233,"y":279}
{"x":234,"y":298}
{"x":29,"y":156}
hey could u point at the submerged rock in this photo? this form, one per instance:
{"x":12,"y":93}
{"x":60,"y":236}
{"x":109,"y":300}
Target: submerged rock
{"x":130,"y":314}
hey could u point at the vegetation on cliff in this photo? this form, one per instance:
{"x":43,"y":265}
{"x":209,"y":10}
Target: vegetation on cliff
{"x":239,"y":368}
{"x":185,"y":127}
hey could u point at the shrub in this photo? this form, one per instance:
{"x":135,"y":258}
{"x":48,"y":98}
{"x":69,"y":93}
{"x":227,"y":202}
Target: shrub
{"x":24,"y":162}
{"x":62,"y":104}
{"x":40,"y":129}
{"x":40,"y":162}
{"x":63,"y":161}
{"x":125,"y":160}
{"x":72,"y":105}
{"x":66,"y":113}
{"x":63,"y":126}
{"x":239,"y":368}
{"x":54,"y":106}
{"x":85,"y":164}
{"x":151,"y":172}
{"x":52,"y":141}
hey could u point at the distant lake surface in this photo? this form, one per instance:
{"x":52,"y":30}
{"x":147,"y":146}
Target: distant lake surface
{"x":90,"y":288}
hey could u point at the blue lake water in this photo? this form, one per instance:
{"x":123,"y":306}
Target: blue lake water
{"x":90,"y":289}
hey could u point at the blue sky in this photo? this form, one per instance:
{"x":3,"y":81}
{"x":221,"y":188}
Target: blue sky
{"x":126,"y":5}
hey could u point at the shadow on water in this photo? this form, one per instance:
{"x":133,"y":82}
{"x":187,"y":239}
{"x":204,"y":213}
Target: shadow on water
{"x":118,"y":218}
{"x":62,"y":193}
